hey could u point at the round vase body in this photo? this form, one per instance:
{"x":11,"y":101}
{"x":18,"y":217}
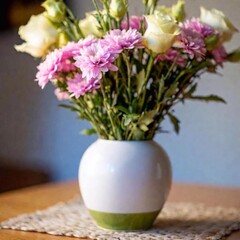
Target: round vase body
{"x":124,"y":184}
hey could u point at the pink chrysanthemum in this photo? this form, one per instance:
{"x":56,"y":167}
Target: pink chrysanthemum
{"x":79,"y":85}
{"x":117,"y":40}
{"x":173,"y":55}
{"x":219,"y":54}
{"x":134,"y":23}
{"x":94,"y":60}
{"x":48,"y":69}
{"x":60,"y":60}
{"x":61,"y":96}
{"x":196,"y":25}
{"x":193,"y":44}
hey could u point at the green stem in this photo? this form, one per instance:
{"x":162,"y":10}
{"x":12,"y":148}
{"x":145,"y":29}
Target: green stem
{"x":126,"y":3}
{"x":131,"y":133}
{"x":90,"y":117}
{"x":106,"y":6}
{"x":126,"y":60}
{"x":149,"y":68}
{"x":75,"y":21}
{"x":102,"y":23}
{"x":109,"y":112}
{"x":144,"y":87}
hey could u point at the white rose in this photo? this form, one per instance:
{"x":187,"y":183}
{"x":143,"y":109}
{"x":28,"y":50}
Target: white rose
{"x":90,"y":25}
{"x":39,"y":34}
{"x":219,"y":21}
{"x":161,"y":32}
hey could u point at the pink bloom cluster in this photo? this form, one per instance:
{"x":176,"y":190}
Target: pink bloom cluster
{"x":84,"y":63}
{"x":193,"y":38}
{"x":94,"y":60}
{"x":173,"y":55}
{"x":61,"y":95}
{"x":60,"y":61}
{"x":194,"y":34}
{"x":117,"y":40}
{"x":219,"y":54}
{"x":80,"y":85}
{"x":134,"y":23}
{"x":197,"y":26}
{"x":191,"y":41}
{"x":193,"y":44}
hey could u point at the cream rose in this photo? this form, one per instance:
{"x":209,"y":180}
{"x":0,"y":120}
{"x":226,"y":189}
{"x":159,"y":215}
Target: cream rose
{"x":90,"y":25}
{"x":161,"y":32}
{"x":39,"y":34}
{"x":219,"y":21}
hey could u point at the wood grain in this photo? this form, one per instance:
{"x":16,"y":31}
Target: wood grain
{"x":39,"y":197}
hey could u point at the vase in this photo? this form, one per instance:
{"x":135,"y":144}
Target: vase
{"x":124,"y":184}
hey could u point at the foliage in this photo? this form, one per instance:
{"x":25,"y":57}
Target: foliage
{"x":124,"y":74}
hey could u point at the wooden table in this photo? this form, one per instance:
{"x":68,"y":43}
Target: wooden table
{"x":39,"y":197}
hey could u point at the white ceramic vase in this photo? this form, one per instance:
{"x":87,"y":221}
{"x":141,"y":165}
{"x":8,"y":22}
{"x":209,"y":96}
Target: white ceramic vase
{"x":124,"y":184}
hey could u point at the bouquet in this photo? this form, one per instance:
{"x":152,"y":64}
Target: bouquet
{"x":124,"y":74}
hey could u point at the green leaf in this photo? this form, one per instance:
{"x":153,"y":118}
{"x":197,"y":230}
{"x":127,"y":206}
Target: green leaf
{"x":138,"y":134}
{"x":140,"y":80}
{"x":172,"y":89}
{"x":122,"y":109}
{"x":147,"y":118}
{"x":143,"y":127}
{"x":135,"y":105}
{"x":234,"y":56}
{"x":211,"y":42}
{"x":209,"y":98}
{"x":175,"y":122}
{"x":72,"y":108}
{"x":89,"y":131}
{"x":191,"y":91}
{"x":130,"y":118}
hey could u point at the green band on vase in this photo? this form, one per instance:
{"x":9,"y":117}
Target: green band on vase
{"x":124,"y":221}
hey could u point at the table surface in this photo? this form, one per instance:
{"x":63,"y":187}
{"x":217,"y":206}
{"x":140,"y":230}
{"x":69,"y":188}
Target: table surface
{"x":39,"y":197}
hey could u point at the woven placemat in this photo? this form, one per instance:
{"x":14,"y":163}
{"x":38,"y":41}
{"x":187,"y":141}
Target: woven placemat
{"x":177,"y":221}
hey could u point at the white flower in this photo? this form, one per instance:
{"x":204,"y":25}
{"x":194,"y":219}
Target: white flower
{"x":90,"y":25}
{"x":219,"y":21}
{"x":161,"y":32}
{"x":39,"y":34}
{"x":118,"y":9}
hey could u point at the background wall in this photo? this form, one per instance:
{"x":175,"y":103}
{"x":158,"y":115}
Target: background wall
{"x":35,"y":133}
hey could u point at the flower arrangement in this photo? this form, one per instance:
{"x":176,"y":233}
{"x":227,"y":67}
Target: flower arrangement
{"x":124,"y":74}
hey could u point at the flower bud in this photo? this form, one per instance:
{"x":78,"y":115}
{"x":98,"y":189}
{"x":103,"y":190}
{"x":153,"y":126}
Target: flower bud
{"x":178,"y":11}
{"x":55,"y":9}
{"x":118,"y":9}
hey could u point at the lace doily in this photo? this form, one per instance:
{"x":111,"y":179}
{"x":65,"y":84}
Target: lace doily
{"x":177,"y":221}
